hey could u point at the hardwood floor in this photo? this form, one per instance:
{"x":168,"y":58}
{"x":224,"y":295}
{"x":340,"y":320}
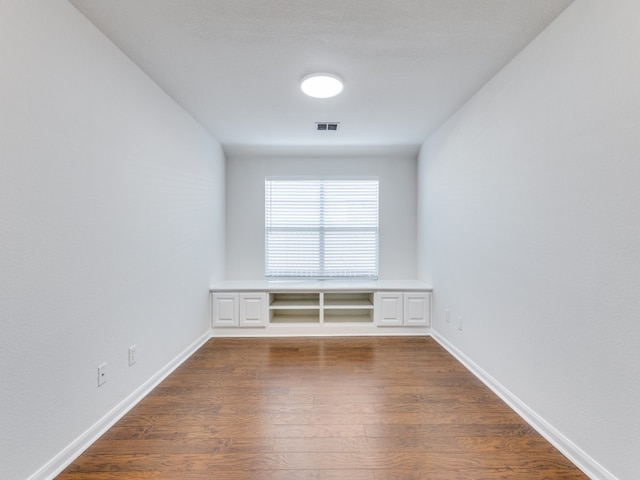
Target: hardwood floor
{"x":321,"y":408}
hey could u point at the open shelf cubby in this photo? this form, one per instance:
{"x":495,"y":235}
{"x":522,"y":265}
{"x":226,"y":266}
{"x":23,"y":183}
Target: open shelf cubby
{"x":361,"y":300}
{"x":294,"y":316}
{"x":318,"y":307}
{"x":294,"y":307}
{"x":348,"y":315}
{"x":294,"y":300}
{"x":348,"y":307}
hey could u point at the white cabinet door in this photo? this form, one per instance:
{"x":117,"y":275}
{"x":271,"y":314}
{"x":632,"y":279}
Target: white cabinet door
{"x":417,"y":309}
{"x":397,"y":309}
{"x":224,"y":310}
{"x":253,"y":310}
{"x":388,"y":309}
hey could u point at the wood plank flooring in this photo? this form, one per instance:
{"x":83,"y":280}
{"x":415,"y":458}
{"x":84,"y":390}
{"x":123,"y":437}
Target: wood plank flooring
{"x":370,"y":408}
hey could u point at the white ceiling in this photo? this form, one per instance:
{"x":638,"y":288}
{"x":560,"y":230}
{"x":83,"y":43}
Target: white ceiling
{"x":235,"y":65}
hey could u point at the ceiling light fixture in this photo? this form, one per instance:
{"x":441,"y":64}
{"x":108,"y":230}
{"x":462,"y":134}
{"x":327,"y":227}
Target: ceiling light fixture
{"x":321,"y":85}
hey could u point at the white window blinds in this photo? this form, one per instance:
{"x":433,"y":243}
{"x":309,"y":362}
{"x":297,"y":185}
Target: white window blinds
{"x":321,"y":228}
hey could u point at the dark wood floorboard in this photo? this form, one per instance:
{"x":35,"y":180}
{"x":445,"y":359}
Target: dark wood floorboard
{"x":369,"y":408}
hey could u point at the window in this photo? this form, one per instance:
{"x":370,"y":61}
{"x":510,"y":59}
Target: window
{"x":321,"y":227}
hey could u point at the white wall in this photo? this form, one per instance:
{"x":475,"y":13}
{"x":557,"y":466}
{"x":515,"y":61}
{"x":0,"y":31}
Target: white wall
{"x":111,"y":229}
{"x":245,"y":207}
{"x":529,"y":228}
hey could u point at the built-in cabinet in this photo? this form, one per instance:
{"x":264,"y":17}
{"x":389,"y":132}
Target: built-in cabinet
{"x":397,"y":309}
{"x":239,"y":309}
{"x":331,"y":308}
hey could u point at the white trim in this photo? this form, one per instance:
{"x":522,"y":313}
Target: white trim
{"x":63,"y":459}
{"x":576,"y":455}
{"x":326,"y":286}
{"x":323,"y":330}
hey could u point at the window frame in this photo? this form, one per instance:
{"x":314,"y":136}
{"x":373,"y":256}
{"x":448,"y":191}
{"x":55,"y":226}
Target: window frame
{"x":322,"y":229}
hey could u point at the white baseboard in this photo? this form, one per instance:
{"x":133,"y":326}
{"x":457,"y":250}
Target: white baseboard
{"x":320,"y":330}
{"x":63,"y":459}
{"x":580,"y":459}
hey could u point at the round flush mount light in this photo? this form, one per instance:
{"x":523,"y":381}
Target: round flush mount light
{"x":321,"y":85}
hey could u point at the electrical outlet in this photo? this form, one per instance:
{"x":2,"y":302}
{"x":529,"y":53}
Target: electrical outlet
{"x":102,"y":374}
{"x":446,"y":315}
{"x":132,"y":355}
{"x":460,"y":323}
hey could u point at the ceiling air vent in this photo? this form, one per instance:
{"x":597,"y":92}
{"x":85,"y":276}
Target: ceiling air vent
{"x":327,"y":126}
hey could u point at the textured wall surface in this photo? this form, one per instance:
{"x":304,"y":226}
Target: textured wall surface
{"x":111,"y":228}
{"x":528,"y":229}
